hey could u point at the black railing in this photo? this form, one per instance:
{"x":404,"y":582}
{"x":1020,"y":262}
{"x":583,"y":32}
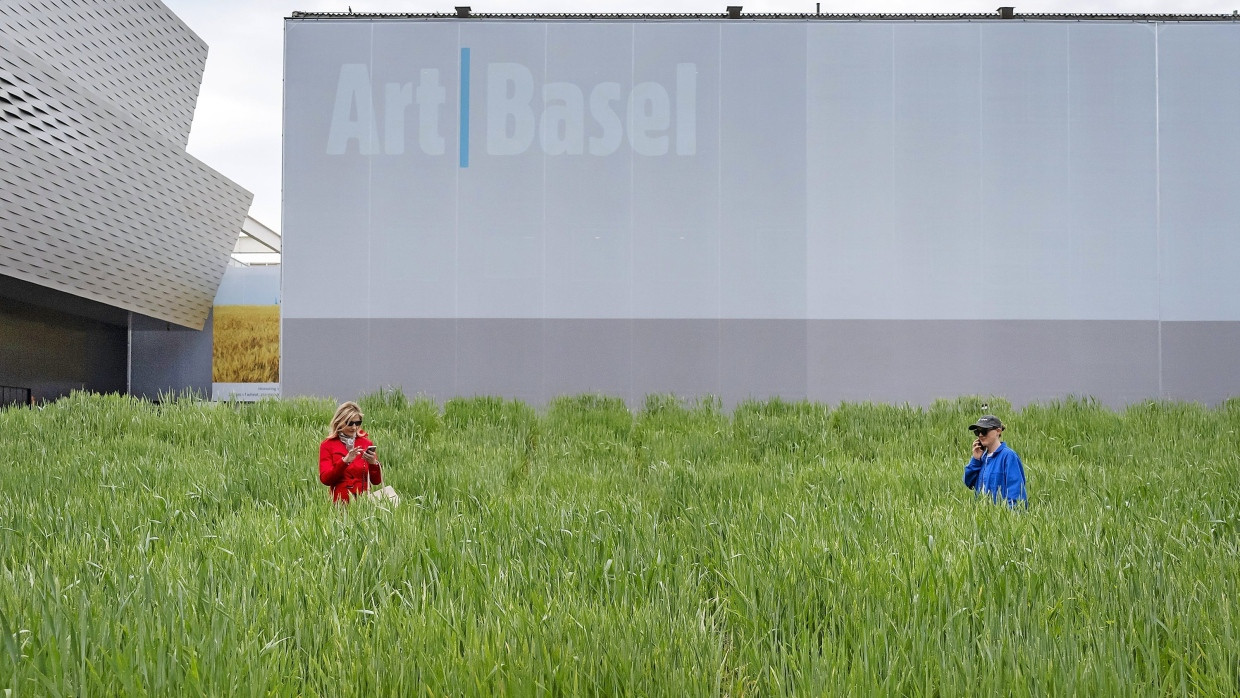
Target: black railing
{"x":11,"y":396}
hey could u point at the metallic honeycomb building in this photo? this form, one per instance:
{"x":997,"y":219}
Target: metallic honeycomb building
{"x":113,"y":239}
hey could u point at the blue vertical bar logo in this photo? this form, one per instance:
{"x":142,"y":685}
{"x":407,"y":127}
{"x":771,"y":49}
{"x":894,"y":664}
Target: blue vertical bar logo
{"x":464,"y":128}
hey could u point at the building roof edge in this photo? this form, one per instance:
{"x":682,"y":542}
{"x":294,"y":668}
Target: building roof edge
{"x":995,"y":16}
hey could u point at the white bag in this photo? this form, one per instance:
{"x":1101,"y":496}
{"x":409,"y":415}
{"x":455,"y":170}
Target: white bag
{"x":384,"y":494}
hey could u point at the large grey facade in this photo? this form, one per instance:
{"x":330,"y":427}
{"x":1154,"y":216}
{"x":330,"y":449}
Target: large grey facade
{"x":848,"y":208}
{"x":103,"y":215}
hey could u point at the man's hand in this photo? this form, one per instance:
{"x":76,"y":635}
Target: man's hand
{"x":977,"y":448}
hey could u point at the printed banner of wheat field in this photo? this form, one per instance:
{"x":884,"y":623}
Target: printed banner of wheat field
{"x":245,"y":361}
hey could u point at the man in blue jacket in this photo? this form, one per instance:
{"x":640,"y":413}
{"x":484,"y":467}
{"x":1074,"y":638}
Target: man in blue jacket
{"x":995,"y":469}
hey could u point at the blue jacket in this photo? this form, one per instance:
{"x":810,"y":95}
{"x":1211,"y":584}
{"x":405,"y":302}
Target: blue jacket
{"x":999,"y":474}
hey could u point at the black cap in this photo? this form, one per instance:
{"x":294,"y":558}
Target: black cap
{"x":986,"y":421}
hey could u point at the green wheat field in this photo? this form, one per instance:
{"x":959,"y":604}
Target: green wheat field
{"x":777,"y":549}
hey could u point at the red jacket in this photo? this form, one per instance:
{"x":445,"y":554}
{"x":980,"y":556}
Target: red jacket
{"x":346,"y":478}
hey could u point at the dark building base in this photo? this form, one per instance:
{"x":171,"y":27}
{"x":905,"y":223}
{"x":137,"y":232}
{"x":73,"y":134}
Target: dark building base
{"x":53,"y":343}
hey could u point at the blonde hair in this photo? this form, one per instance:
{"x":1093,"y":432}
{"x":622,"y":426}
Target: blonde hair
{"x":347,"y":412}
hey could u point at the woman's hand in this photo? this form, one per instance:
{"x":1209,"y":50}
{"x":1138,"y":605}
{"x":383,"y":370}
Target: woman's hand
{"x":977,"y":448}
{"x":369,"y":455}
{"x":353,"y":453}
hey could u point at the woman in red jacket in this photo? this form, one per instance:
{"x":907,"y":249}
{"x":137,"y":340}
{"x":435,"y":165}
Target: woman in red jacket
{"x":347,"y":462}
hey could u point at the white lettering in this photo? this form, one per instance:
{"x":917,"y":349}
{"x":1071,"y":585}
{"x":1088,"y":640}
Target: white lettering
{"x":601,"y":98}
{"x":353,"y":117}
{"x":396,"y":98}
{"x":510,"y":87}
{"x":431,"y":96}
{"x":649,"y":111}
{"x":563,"y":119}
{"x":686,"y":109}
{"x":651,"y":116}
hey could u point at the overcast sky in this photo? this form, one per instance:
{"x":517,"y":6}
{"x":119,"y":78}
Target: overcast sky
{"x":237,"y":124}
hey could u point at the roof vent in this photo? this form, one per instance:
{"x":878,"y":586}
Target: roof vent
{"x":1007,"y":12}
{"x":462,"y":10}
{"x":734,"y":11}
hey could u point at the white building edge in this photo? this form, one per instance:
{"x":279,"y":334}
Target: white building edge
{"x":257,"y":245}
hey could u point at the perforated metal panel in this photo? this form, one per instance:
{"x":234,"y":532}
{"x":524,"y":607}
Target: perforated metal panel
{"x":134,"y":53}
{"x":94,"y":203}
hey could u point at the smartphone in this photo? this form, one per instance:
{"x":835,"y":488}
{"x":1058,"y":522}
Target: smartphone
{"x":370,"y":449}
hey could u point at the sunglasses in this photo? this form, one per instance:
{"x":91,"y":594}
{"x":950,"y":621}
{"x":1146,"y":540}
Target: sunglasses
{"x":354,"y":423}
{"x":982,"y":432}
